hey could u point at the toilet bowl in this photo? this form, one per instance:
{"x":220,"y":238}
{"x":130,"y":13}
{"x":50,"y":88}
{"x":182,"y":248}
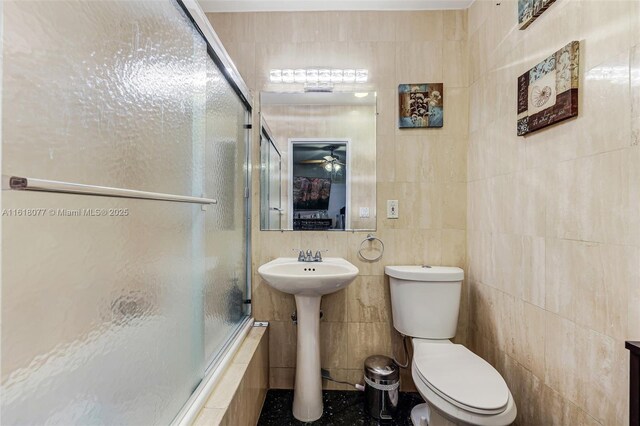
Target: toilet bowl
{"x":460,"y":385}
{"x":457,"y":384}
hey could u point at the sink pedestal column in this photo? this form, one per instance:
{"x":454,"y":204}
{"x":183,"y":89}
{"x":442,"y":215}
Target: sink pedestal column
{"x":307,"y":397}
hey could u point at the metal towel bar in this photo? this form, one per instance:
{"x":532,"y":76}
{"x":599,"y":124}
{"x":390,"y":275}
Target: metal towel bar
{"x":31,"y":184}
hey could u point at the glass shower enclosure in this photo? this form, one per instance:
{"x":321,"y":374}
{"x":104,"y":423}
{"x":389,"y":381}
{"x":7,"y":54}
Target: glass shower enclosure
{"x":124,"y":210}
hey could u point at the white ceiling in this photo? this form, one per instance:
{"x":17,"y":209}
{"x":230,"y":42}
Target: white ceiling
{"x":317,"y":5}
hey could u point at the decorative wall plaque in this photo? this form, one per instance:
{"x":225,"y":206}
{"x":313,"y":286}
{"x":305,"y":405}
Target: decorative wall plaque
{"x":548,"y":93}
{"x":529,"y":10}
{"x":421,"y":105}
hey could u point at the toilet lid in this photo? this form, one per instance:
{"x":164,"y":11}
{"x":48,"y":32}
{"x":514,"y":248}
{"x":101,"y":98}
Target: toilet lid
{"x":461,"y":377}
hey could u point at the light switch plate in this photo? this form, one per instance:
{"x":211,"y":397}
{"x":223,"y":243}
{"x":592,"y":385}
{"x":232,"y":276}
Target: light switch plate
{"x":392,"y":209}
{"x":364,"y":212}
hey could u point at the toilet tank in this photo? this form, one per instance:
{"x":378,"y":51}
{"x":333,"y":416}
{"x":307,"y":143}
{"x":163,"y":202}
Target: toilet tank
{"x":425,"y":300}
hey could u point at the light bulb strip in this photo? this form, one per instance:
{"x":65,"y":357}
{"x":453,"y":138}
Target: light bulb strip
{"x":320,"y":76}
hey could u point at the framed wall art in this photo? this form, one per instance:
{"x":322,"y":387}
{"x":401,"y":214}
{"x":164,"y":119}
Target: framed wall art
{"x":421,"y":105}
{"x":548,"y":92}
{"x":529,"y":10}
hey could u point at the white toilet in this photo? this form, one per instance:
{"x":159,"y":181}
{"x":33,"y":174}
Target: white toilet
{"x":459,"y":385}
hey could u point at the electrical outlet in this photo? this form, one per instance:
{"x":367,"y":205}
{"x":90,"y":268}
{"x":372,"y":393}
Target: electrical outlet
{"x":392,"y":209}
{"x":364,"y":212}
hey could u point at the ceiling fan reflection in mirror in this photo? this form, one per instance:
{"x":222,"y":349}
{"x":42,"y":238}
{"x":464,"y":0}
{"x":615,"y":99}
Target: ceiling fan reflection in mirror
{"x":330,"y":162}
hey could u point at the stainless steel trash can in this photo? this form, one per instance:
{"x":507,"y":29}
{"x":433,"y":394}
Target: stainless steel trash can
{"x":382,"y":383}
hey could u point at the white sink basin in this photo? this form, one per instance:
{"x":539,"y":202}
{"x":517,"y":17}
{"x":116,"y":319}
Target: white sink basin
{"x":308,"y":278}
{"x":308,"y":282}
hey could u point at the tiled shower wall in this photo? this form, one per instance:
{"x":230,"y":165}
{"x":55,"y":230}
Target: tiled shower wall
{"x":553,"y":218}
{"x":424,"y":169}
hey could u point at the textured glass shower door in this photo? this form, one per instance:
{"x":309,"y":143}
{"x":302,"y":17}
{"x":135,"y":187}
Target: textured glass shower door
{"x":112,"y":308}
{"x":225,"y":227}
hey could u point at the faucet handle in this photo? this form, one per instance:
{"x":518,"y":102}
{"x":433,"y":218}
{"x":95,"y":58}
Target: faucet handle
{"x":318,"y":256}
{"x":301,"y":257}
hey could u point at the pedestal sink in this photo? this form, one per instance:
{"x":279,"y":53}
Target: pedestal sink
{"x":308,"y":282}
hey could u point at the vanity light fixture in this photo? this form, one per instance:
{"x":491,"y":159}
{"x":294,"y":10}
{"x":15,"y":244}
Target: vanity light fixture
{"x":336,"y":76}
{"x":300,"y":76}
{"x":288,"y":76}
{"x":275,"y":76}
{"x":320,"y":76}
{"x":362,"y":76}
{"x":324,"y":76}
{"x":349,"y":76}
{"x":312,"y":76}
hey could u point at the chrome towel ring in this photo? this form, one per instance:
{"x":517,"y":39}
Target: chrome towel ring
{"x":370,"y":238}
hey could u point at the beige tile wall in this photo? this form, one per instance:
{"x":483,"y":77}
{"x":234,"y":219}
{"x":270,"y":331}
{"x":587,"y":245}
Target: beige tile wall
{"x":553,"y":242}
{"x":424,"y":169}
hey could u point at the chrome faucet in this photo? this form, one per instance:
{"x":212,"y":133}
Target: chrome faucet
{"x":308,"y":256}
{"x":301,"y":257}
{"x":318,"y":256}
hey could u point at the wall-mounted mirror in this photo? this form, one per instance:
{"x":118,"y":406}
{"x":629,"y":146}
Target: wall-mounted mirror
{"x":318,"y":161}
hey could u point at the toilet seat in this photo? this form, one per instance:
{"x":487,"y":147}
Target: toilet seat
{"x":461,"y":377}
{"x":460,"y":384}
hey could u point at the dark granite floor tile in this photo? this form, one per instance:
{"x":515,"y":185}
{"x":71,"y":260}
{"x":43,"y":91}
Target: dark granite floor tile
{"x":341,"y":408}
